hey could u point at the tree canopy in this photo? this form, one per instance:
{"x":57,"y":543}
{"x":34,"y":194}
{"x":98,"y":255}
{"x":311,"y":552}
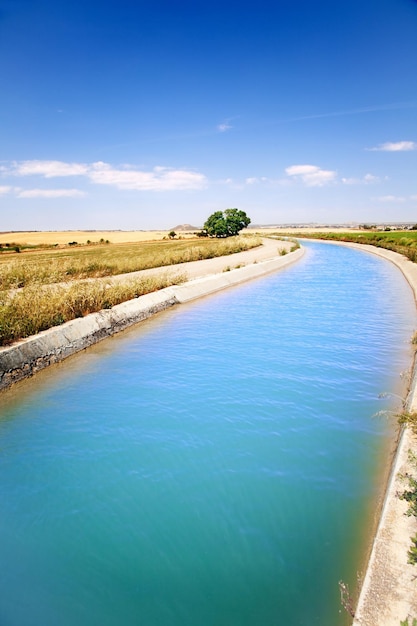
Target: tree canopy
{"x":226,"y":223}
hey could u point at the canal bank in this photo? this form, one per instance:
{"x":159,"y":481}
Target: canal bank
{"x":389,"y":589}
{"x":28,"y":356}
{"x":252,"y":406}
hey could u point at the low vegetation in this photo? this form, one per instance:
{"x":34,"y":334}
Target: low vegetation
{"x":409,"y":419}
{"x":404,"y":241}
{"x":55,"y":266}
{"x":33,"y":309}
{"x":43,"y":288}
{"x":410,"y":496}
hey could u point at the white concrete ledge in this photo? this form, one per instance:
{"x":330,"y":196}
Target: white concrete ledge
{"x":210,"y":284}
{"x":389,"y":589}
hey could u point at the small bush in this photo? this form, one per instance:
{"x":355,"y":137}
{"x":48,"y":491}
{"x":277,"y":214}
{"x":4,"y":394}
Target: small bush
{"x":410,"y":496}
{"x":408,"y":419}
{"x":412,"y":553}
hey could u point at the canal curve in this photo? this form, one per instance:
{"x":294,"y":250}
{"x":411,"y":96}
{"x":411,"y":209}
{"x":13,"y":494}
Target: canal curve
{"x":217,"y":465}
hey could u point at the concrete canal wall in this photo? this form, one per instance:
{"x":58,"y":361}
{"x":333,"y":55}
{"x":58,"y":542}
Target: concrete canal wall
{"x":26,"y":357}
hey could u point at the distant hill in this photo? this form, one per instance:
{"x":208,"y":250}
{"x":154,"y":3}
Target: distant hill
{"x":186,"y":227}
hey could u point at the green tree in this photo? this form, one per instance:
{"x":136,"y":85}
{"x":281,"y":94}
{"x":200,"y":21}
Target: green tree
{"x":226,"y":223}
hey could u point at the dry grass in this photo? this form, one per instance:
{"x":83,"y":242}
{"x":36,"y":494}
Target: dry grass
{"x":34,"y":309}
{"x":82,"y":236}
{"x":56,"y":266}
{"x":42,"y":288}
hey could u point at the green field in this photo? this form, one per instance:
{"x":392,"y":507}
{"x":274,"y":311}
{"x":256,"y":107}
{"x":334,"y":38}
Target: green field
{"x":404,"y":241}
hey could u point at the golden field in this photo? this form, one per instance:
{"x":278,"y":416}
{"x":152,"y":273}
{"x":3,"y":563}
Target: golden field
{"x":36,"y":238}
{"x":42,"y":287}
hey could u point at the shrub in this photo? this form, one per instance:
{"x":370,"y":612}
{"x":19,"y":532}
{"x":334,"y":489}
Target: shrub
{"x":412,"y":553}
{"x":408,"y":419}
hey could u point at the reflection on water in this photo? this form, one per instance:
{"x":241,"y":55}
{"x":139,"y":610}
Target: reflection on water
{"x":213,"y":466}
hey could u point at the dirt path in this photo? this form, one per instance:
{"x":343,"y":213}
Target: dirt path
{"x":197,"y":269}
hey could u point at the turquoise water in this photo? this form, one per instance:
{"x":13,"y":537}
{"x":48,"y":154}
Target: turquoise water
{"x":212,"y":467}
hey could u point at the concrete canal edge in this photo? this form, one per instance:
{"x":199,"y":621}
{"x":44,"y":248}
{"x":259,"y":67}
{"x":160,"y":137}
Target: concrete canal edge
{"x":28,"y":356}
{"x":389,"y":589}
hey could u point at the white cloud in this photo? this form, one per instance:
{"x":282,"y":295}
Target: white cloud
{"x":254,"y":180}
{"x":370,"y":178}
{"x":4,"y":189}
{"x":351,"y":181}
{"x":311,"y":175}
{"x":366,"y":180}
{"x":390,"y":199}
{"x":399,"y":146}
{"x":126,"y":177}
{"x":301,"y":170}
{"x":413,"y":197}
{"x":225,"y":125}
{"x":50,"y":193}
{"x":48,"y":169}
{"x":158,"y":179}
{"x":222,"y":128}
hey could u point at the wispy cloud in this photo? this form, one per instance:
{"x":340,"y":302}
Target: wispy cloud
{"x":390,"y":199}
{"x":262,"y":180}
{"x":311,"y":175}
{"x":158,"y":179}
{"x":100,"y":173}
{"x":370,"y":178}
{"x":365,"y":180}
{"x":224,"y":126}
{"x":5,"y":189}
{"x":48,"y":169}
{"x":50,"y":193}
{"x":398,"y":146}
{"x":369,"y":109}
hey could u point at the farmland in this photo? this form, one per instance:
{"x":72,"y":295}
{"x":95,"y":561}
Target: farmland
{"x":45,"y":287}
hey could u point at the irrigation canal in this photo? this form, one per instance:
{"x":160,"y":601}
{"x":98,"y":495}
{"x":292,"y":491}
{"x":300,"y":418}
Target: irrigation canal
{"x":217,"y":465}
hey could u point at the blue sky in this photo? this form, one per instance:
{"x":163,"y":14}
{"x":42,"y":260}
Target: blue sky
{"x":133,"y":114}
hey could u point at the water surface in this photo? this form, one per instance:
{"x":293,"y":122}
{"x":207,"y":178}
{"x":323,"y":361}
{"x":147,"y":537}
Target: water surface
{"x":214,"y":466}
